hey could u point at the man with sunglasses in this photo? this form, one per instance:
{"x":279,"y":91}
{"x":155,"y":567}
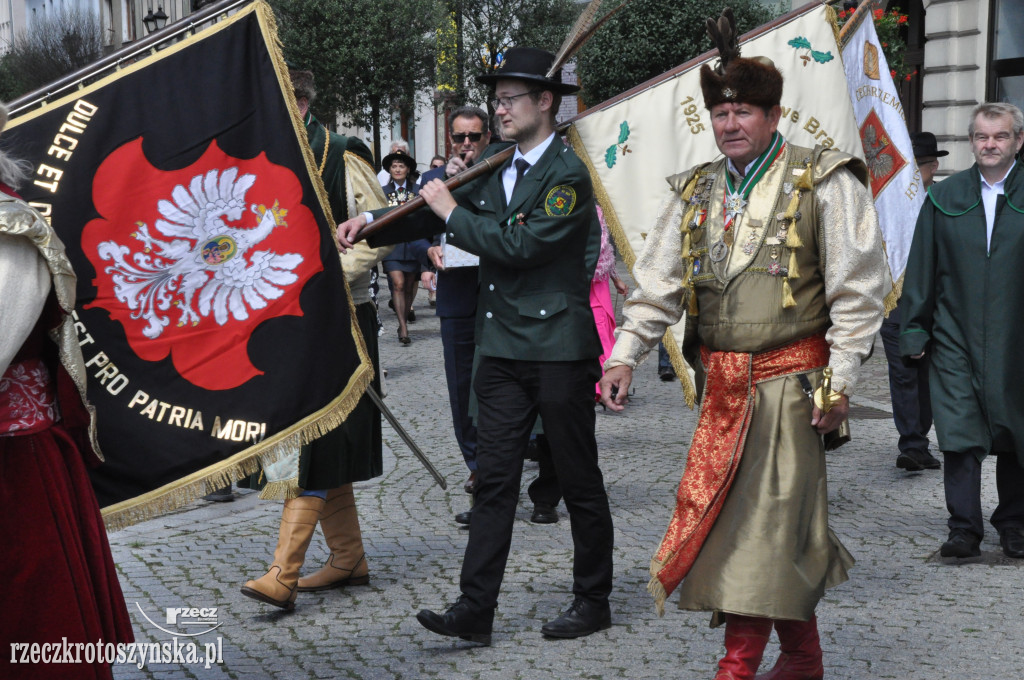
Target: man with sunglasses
{"x":534,"y":226}
{"x":457,"y":294}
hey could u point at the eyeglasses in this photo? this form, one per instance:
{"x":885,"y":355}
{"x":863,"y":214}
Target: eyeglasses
{"x":506,"y":102}
{"x":460,"y":137}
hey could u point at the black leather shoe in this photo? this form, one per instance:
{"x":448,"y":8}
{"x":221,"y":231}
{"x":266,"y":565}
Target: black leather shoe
{"x":459,"y":621}
{"x":581,"y":618}
{"x":470,"y":485}
{"x":666,"y":373}
{"x":1012,"y":540}
{"x":962,"y":543}
{"x":532,"y":451}
{"x":464,"y":517}
{"x":913,"y":461}
{"x":543,"y":514}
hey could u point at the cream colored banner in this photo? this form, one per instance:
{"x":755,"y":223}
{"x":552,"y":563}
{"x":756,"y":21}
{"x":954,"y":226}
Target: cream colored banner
{"x":895,"y":177}
{"x":636,"y":143}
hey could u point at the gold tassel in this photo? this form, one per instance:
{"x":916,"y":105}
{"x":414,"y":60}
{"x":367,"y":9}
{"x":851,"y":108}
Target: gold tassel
{"x":691,"y":186}
{"x":794,"y":270}
{"x":692,"y":305}
{"x":794,"y":205}
{"x":805,"y":181}
{"x":687,"y":260}
{"x":793,"y":239}
{"x":787,"y":294}
{"x":688,"y":219}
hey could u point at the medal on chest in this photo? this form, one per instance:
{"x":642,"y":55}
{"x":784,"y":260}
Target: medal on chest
{"x":734,"y":200}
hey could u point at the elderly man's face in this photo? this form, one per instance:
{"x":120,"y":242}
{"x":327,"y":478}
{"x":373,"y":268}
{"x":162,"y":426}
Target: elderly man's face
{"x":464,"y":129}
{"x":994,"y":145}
{"x":743,"y":131}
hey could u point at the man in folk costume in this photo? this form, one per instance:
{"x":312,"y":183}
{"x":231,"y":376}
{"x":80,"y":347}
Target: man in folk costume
{"x":61,"y":579}
{"x":775,"y":254}
{"x":963,"y":299}
{"x":317,"y":482}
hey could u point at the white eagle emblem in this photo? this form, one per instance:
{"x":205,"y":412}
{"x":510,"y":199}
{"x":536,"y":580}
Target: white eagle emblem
{"x":203,"y":255}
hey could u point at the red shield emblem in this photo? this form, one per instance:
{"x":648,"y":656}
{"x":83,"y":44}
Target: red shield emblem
{"x":191,"y":261}
{"x":883,"y":159}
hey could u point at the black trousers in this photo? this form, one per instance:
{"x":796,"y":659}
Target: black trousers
{"x":908,"y":387}
{"x":962,"y":480}
{"x":458,"y":340}
{"x":545,"y":489}
{"x":511,"y":394}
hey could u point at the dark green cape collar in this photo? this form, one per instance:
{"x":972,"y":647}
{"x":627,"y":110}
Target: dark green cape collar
{"x":961,"y":193}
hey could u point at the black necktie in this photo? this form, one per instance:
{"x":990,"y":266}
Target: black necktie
{"x":521,"y":167}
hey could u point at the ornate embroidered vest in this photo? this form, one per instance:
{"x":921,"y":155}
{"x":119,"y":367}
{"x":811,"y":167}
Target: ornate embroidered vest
{"x":765,"y":288}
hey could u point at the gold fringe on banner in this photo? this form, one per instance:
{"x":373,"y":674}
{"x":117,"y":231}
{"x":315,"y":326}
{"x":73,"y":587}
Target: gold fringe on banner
{"x":611,"y":218}
{"x":185,"y":490}
{"x":832,"y":17}
{"x":280,"y":491}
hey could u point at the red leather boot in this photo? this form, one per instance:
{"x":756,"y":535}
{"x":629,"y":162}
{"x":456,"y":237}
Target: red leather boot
{"x":801,"y":652}
{"x":745,"y":639}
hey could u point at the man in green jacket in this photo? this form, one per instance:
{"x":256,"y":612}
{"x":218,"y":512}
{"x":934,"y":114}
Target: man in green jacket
{"x":533,"y":224}
{"x":963,"y":298}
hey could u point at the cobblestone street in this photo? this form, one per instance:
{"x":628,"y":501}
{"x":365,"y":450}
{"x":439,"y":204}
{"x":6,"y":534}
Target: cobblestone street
{"x":903,"y":614}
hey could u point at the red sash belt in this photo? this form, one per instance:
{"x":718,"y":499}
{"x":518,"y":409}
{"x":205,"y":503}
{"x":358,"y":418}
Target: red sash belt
{"x":28,"y":402}
{"x":717,"y":447}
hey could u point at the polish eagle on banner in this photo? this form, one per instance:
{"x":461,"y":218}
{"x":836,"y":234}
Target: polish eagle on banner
{"x":207,"y":256}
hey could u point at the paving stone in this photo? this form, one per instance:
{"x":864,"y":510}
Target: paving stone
{"x":904,"y":613}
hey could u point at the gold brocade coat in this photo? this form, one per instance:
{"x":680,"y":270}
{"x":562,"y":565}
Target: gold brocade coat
{"x":17,"y":218}
{"x":770,"y":552}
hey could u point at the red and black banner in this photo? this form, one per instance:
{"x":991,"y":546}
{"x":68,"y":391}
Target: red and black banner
{"x":212,"y":310}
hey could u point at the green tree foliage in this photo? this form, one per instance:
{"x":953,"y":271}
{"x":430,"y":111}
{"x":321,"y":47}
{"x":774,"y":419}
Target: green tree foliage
{"x":52,"y":48}
{"x":368,"y":57}
{"x":490,"y":27}
{"x":650,"y":37}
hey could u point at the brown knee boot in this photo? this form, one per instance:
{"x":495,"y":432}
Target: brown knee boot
{"x":347,"y":564}
{"x":277,"y":586}
{"x":801,"y":652}
{"x":745,"y":639}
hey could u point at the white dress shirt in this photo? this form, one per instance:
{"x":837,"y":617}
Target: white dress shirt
{"x":989,"y":194}
{"x":508,"y":177}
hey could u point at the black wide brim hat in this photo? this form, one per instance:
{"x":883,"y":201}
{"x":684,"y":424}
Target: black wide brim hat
{"x":409,"y":161}
{"x":926,"y":146}
{"x":531,"y":65}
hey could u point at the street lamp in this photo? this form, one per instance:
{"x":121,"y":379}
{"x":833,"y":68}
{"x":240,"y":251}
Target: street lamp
{"x":154,"y":22}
